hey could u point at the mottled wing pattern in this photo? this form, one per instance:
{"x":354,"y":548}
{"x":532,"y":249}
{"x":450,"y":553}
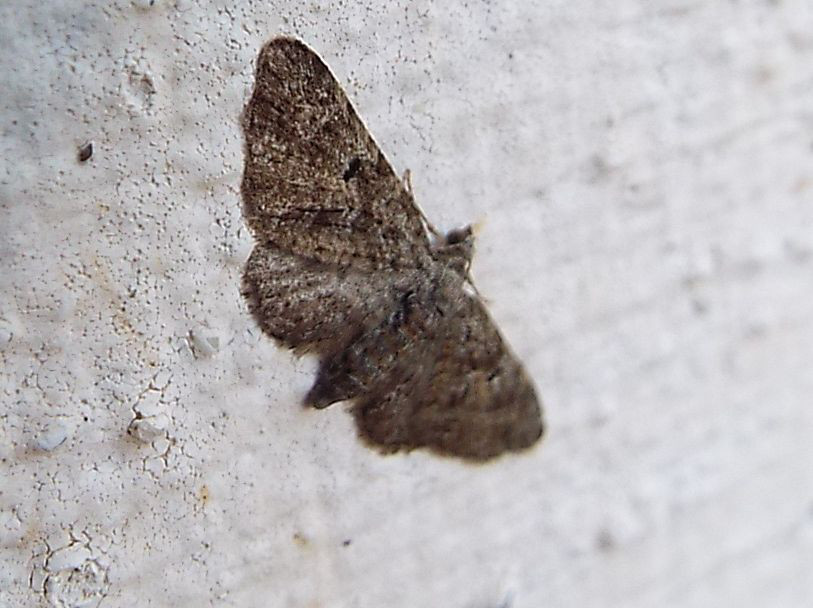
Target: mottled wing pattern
{"x":343,"y":268}
{"x":308,"y":305}
{"x":464,"y":394}
{"x":395,"y":341}
{"x":315,"y":182}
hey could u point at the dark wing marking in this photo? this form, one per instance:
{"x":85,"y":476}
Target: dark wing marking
{"x":315,"y":183}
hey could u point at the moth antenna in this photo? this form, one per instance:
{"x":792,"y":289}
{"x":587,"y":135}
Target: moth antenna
{"x":470,"y":281}
{"x":476,"y":230}
{"x":477,"y":227}
{"x":407,"y":179}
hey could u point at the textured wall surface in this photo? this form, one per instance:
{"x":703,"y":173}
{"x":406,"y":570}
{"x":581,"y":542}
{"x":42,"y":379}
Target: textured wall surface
{"x":643,"y":176}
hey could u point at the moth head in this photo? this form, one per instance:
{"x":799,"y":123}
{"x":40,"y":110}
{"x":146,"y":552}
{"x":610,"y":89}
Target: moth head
{"x":460,"y":235}
{"x":457,"y":246}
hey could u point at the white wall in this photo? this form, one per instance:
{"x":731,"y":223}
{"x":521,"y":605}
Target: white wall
{"x":643,"y":173}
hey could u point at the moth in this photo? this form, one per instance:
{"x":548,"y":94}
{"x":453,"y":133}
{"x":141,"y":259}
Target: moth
{"x":346,"y":267}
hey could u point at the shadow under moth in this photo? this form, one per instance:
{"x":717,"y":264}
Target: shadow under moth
{"x":346,"y":267}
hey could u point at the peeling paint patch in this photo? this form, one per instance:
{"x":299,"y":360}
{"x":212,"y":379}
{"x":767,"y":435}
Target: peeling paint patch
{"x":138,"y":87}
{"x":52,"y":437}
{"x":82,"y":585}
{"x":147,"y":428}
{"x":203,"y":346}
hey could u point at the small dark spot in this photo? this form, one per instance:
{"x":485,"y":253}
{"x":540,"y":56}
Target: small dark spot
{"x":699,"y":307}
{"x":352,"y":169}
{"x":346,"y":543}
{"x":605,"y":540}
{"x":85,"y":152}
{"x":598,"y":169}
{"x":405,"y":307}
